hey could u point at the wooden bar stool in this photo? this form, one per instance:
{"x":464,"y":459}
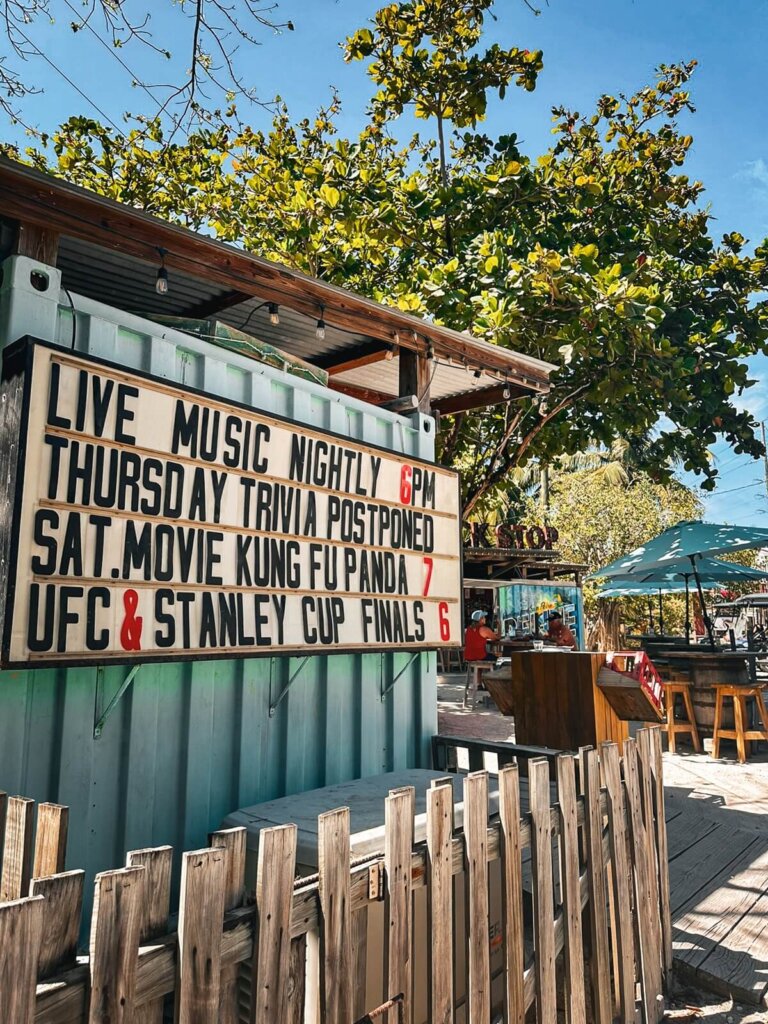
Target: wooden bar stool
{"x":475,"y":671}
{"x":672,"y":688}
{"x":742,"y":734}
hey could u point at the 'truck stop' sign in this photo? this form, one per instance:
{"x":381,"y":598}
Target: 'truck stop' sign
{"x":151,"y":522}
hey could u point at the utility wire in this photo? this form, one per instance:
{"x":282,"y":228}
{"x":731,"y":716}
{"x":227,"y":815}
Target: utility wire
{"x":96,"y":107}
{"x":732,"y":490}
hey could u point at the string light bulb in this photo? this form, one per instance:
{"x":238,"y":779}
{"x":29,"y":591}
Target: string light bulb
{"x":274,"y":315}
{"x":320,"y":326}
{"x":161,"y":283}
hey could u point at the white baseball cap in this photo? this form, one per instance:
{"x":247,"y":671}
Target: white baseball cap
{"x":478,"y":614}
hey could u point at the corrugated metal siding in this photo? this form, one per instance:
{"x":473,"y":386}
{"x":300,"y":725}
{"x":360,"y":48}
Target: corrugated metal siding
{"x":190,"y":742}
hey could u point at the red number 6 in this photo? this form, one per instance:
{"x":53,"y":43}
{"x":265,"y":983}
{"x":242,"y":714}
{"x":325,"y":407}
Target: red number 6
{"x":445,"y":624}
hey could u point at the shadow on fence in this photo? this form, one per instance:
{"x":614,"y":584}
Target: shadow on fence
{"x":298,"y":950}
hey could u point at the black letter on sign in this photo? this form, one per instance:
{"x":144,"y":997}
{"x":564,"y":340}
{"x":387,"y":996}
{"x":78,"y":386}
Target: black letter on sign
{"x":54,"y":419}
{"x":66,"y":617}
{"x":93,"y":642}
{"x":44,"y":643}
{"x":45,"y":517}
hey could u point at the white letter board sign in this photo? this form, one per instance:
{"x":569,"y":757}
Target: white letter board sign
{"x":152,"y":522}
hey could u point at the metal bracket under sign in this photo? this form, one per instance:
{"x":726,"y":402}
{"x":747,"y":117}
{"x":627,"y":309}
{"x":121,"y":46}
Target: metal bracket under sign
{"x":99,"y":726}
{"x":406,"y":666}
{"x":284,"y":692}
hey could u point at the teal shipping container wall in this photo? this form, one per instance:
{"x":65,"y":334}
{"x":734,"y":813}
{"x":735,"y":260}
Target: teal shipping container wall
{"x":189,"y":742}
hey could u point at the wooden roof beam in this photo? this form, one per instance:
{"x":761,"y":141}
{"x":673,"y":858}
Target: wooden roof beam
{"x":354,"y":358}
{"x":478,"y":399}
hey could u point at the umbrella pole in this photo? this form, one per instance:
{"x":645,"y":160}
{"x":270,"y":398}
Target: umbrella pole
{"x":707,"y":620}
{"x":687,"y":610}
{"x":661,"y":614}
{"x":650,"y":614}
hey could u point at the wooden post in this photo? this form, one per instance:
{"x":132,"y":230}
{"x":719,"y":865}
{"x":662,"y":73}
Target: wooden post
{"x":543,"y":891}
{"x":440,"y":902}
{"x":415,"y":377}
{"x":21,"y":929}
{"x":512,"y":894}
{"x":476,"y":887}
{"x":398,"y":911}
{"x":233,"y":841}
{"x":593,"y":824}
{"x":573,"y":950}
{"x":648,"y":953}
{"x":153,"y":917}
{"x":272,"y":948}
{"x":38,"y":243}
{"x":663,"y":854}
{"x":63,"y":906}
{"x":620,"y":880}
{"x":17,"y":862}
{"x":336,"y":919}
{"x":51,"y":839}
{"x":201,"y":917}
{"x":114,"y":945}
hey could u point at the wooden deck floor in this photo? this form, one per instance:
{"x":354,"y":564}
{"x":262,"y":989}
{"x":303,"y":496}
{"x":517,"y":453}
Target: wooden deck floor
{"x":717,"y":819}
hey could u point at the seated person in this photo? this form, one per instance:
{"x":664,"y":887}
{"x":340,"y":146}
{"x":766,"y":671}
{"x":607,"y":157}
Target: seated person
{"x":559,"y":633}
{"x":476,"y":638}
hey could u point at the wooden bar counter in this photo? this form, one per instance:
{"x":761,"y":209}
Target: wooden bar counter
{"x":555,"y":699}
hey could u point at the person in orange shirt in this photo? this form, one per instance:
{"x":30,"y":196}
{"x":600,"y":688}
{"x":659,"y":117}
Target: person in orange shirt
{"x":559,"y":633}
{"x":476,"y":638}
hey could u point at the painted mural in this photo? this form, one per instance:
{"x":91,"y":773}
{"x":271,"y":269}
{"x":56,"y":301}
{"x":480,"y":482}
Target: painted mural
{"x":524,"y":607}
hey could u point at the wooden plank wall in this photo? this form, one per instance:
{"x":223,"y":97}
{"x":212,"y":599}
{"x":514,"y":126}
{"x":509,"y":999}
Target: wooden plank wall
{"x":598,"y":849}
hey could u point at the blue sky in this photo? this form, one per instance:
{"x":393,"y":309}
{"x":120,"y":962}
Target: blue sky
{"x":590,"y":47}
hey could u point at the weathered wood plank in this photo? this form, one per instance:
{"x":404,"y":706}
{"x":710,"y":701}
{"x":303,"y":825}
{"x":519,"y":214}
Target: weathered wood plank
{"x":233,"y":841}
{"x":573,"y":948}
{"x":657,"y":771}
{"x":17,"y":859}
{"x":645,"y":759}
{"x":646,"y":952}
{"x":512,"y":894}
{"x":114,"y":945}
{"x":359,"y":961}
{"x":620,"y":881}
{"x":600,"y":969}
{"x":51,"y":839}
{"x":201,"y":915}
{"x":63,"y":896}
{"x":440,"y":903}
{"x":271,"y":963}
{"x":543,"y":891}
{"x":155,"y":907}
{"x":21,"y":930}
{"x":296,"y":994}
{"x":336,"y":920}
{"x":398,"y":912}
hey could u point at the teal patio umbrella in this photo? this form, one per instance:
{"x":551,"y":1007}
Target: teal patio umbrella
{"x":687,"y":542}
{"x":634,"y":588}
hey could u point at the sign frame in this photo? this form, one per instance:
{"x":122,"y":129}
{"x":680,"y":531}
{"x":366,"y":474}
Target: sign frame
{"x":18,"y":360}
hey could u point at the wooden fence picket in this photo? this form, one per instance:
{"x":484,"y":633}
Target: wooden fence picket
{"x":620,"y":881}
{"x":272,"y":949}
{"x":50,"y":840}
{"x":17,"y":859}
{"x":573,"y":948}
{"x":663,"y":853}
{"x":336,"y":917}
{"x":21,"y":930}
{"x":598,"y":919}
{"x":232,"y":840}
{"x":201,"y":915}
{"x":114,"y":945}
{"x":63,"y":895}
{"x":398,"y":913}
{"x":543,"y":890}
{"x":646,"y":933}
{"x":645,"y":758}
{"x":512,"y":894}
{"x":297,"y":981}
{"x":440,"y":902}
{"x":476,"y":888}
{"x":155,"y":908}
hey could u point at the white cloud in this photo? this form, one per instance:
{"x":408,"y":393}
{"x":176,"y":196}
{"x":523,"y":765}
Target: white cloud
{"x":755,"y":171}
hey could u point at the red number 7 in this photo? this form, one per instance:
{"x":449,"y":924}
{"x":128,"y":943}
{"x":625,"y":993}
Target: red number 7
{"x":429,"y":563}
